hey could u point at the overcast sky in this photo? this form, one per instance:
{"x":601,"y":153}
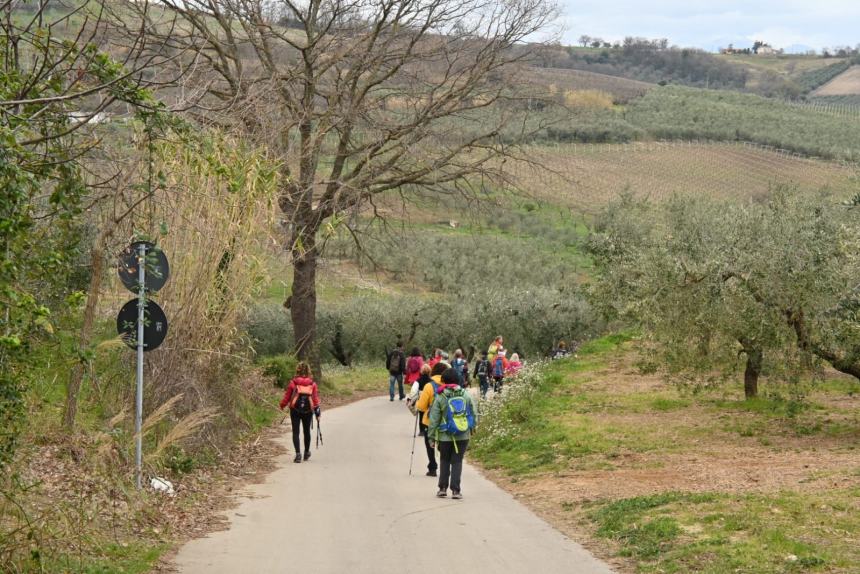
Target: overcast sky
{"x":715,"y":23}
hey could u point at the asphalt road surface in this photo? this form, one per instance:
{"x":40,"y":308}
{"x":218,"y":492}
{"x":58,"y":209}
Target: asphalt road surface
{"x":354,"y":509}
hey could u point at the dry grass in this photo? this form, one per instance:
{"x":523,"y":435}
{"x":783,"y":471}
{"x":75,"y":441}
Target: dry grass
{"x":562,"y":80}
{"x":216,"y":207}
{"x":588,"y":99}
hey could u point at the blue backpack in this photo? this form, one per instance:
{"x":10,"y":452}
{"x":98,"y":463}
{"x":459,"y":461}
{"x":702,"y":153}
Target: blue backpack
{"x":459,"y":416}
{"x":499,"y":367}
{"x":458,"y":366}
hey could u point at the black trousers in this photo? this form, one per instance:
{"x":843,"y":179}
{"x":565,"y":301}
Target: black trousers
{"x":451,"y":463}
{"x":431,"y":452}
{"x":305,"y":420}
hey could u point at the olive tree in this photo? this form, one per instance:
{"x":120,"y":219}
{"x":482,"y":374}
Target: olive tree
{"x":709,"y":281}
{"x":353,"y":98}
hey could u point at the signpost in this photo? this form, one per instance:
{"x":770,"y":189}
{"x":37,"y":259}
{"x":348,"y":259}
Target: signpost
{"x":142,"y":267}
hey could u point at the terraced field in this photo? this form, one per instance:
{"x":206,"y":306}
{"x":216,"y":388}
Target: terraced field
{"x":585,"y":177}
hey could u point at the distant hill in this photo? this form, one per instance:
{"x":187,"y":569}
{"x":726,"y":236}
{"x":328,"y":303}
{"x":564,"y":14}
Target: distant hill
{"x":648,"y":62}
{"x":787,"y":76}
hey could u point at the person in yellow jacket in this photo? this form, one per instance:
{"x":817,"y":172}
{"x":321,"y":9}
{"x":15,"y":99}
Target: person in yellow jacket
{"x":422,"y":405}
{"x":494,"y":348}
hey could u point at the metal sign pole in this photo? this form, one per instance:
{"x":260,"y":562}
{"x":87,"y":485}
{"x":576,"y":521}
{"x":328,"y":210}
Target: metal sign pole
{"x":138,"y":415}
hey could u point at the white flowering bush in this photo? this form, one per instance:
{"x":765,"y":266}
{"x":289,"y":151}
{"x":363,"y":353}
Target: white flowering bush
{"x":502,"y":413}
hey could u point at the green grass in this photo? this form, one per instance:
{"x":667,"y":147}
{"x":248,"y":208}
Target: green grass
{"x":555,"y":428}
{"x":113,"y":558}
{"x":584,"y":418}
{"x":716,"y":533}
{"x":257,"y":415}
{"x":360,"y":378}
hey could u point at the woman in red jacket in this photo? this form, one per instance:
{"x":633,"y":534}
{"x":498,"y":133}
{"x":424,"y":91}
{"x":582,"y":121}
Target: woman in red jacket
{"x":413,"y":366}
{"x":303,"y":396}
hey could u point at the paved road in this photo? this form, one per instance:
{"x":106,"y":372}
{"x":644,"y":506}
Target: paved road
{"x":353,"y":509}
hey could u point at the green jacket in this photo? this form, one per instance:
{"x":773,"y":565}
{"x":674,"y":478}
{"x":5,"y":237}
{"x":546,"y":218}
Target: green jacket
{"x":437,"y":416}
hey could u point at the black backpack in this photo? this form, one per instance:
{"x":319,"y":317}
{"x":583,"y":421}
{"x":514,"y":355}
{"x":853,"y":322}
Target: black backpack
{"x":483,"y":368}
{"x":394,"y":361}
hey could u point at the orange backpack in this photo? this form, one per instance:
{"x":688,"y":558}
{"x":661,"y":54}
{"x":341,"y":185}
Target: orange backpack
{"x":302,"y":401}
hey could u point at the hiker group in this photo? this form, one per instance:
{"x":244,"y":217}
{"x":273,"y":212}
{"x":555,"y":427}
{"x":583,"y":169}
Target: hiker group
{"x":445,"y":414}
{"x":492,"y":367}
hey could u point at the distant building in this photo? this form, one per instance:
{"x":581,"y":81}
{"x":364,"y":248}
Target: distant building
{"x":759,"y":49}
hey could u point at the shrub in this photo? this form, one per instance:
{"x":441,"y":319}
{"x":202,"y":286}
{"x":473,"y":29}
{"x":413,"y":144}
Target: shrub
{"x":281,"y":368}
{"x":270,"y":329}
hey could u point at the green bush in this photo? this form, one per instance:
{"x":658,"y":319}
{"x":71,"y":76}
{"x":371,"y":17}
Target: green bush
{"x":281,"y":368}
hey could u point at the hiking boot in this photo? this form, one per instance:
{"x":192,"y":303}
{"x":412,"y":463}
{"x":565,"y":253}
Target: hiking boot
{"x":456,"y":495}
{"x":298,"y":458}
{"x":307,"y":455}
{"x":442,"y":493}
{"x":431,"y":473}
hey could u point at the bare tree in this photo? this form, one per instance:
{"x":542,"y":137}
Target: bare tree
{"x":357,"y":99}
{"x":585,"y":40}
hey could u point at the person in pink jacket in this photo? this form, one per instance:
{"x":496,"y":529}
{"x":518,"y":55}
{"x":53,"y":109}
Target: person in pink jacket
{"x":514,"y":365}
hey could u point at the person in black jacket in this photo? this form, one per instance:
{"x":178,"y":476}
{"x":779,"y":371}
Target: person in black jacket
{"x":482,"y":373}
{"x":395,"y":361}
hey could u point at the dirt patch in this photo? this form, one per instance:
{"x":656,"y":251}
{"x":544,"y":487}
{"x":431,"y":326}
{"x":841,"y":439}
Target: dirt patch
{"x":560,"y":498}
{"x":845,"y":84}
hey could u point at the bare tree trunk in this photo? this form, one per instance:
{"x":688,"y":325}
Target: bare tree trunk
{"x":752,"y":371}
{"x":76,"y":377}
{"x":303,"y":305}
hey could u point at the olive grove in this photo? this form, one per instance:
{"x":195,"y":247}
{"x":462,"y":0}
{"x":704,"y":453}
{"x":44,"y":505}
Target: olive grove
{"x":774,"y":281}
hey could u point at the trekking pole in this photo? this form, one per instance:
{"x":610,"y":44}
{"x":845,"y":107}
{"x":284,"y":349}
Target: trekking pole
{"x":414,"y":436}
{"x":319,"y":433}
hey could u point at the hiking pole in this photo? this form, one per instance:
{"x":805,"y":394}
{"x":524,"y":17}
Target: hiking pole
{"x":319,"y":434}
{"x":414,"y":436}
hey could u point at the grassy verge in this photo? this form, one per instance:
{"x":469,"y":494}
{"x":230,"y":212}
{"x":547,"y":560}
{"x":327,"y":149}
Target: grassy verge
{"x":722,"y":533}
{"x":680,"y":482}
{"x":358,"y":380}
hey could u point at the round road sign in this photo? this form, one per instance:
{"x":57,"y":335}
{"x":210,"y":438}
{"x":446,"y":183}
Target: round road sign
{"x":154,"y":325}
{"x":157,"y":268}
